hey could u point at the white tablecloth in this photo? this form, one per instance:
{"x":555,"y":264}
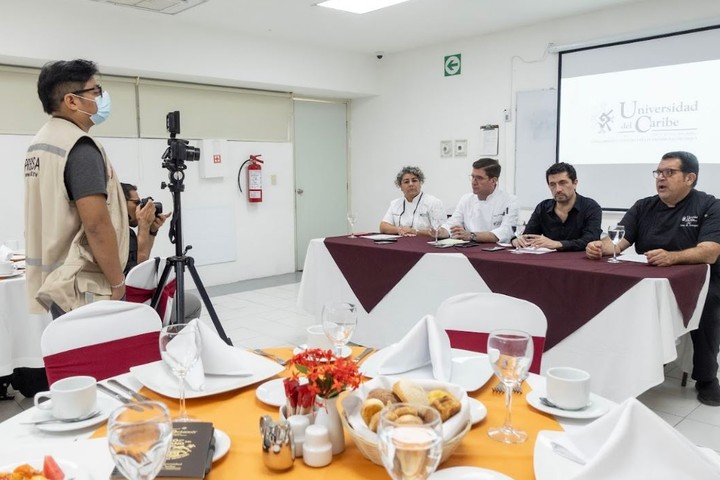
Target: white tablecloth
{"x":624,"y":347}
{"x":19,"y":331}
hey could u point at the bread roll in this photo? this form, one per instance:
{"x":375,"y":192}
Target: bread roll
{"x":447,"y":406}
{"x":384,"y":395}
{"x":369,"y":408}
{"x":410,"y":392}
{"x":374,"y":422}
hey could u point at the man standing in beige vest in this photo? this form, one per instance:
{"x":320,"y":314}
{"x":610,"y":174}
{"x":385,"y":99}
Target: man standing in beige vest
{"x":76,"y":219}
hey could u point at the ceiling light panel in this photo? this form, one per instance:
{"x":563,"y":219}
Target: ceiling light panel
{"x":359,"y":6}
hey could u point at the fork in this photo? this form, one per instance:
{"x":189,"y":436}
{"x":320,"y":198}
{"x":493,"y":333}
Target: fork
{"x":500,"y":388}
{"x":270,"y":355}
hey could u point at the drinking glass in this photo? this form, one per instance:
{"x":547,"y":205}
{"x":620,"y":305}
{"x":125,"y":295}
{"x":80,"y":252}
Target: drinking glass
{"x":410,"y":451}
{"x":510,"y":353}
{"x":352,"y":218}
{"x":180,"y":347}
{"x":518,"y":231}
{"x":615,"y":234}
{"x":435,"y":218}
{"x":139,"y":438}
{"x":339,"y":320}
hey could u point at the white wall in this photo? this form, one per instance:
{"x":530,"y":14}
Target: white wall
{"x":418,"y":107}
{"x":403,"y":105}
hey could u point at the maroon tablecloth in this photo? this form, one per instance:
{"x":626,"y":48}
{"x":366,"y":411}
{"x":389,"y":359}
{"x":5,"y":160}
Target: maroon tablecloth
{"x":569,"y":288}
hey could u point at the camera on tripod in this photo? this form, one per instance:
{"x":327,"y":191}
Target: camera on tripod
{"x":178,"y":149}
{"x":158,"y":205}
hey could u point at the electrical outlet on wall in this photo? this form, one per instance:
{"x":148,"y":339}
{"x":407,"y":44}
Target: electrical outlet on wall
{"x":460,"y":149}
{"x":446,"y":149}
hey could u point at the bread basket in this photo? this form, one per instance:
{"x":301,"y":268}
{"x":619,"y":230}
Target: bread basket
{"x":370,"y":447}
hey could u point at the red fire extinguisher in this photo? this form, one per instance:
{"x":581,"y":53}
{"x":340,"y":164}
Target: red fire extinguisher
{"x":254,"y":178}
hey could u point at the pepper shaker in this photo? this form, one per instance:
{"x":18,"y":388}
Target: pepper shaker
{"x":298,"y":424}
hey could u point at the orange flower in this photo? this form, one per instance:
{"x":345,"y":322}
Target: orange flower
{"x":327,"y":374}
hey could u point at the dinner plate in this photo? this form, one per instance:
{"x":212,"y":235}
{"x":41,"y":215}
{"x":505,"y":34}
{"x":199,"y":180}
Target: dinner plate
{"x":222,"y":444}
{"x":13,"y":274}
{"x":157,"y":377}
{"x":272,"y":392}
{"x":547,"y":464}
{"x":104,"y":404}
{"x":478,"y":411}
{"x":470,"y":370}
{"x":70,"y":469}
{"x":468,"y":473}
{"x":345,"y":352}
{"x":598,"y":407}
{"x":17,"y":257}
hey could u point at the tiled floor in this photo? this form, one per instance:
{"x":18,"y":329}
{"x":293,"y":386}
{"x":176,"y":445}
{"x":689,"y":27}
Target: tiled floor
{"x":263,"y":313}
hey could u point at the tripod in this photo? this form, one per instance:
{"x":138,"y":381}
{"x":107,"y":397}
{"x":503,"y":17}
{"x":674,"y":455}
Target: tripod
{"x":180,"y":260}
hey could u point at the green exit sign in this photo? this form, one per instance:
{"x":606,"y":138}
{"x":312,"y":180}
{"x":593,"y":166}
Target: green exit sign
{"x":452,"y":65}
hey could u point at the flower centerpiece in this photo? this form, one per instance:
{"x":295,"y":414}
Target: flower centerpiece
{"x":327,"y":376}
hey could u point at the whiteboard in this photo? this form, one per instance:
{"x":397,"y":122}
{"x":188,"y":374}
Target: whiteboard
{"x":535,"y":140}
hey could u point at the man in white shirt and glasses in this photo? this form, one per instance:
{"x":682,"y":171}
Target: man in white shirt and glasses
{"x":488,"y":213}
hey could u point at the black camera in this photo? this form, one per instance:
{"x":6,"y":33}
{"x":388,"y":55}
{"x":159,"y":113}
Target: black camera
{"x":158,"y":205}
{"x":178,"y":149}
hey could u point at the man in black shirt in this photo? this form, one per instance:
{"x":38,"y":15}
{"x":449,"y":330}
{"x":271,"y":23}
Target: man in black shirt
{"x":568,"y":221}
{"x":680,"y":225}
{"x":147,"y":223}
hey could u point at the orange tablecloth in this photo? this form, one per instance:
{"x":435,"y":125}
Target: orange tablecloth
{"x":238,"y":413}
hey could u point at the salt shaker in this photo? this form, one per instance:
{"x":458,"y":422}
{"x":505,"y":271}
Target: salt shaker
{"x":298,"y":424}
{"x":317,"y":449}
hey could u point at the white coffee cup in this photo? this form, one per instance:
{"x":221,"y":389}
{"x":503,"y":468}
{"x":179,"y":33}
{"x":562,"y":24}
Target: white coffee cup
{"x":70,"y":397}
{"x":6,"y":268}
{"x":568,"y":388}
{"x":316,"y":338}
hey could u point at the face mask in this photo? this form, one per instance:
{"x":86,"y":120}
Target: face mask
{"x":103,"y":108}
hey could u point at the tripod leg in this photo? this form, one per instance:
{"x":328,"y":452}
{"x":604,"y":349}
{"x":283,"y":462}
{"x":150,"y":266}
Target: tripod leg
{"x":161,"y":285}
{"x":206,"y":300}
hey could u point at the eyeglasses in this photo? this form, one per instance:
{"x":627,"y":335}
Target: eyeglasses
{"x":476,"y":178}
{"x":96,"y":89}
{"x":667,"y":173}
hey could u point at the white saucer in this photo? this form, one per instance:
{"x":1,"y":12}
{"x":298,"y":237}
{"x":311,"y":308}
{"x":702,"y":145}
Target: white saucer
{"x":104,"y":404}
{"x":346,"y":351}
{"x":478,"y":411}
{"x":14,"y":274}
{"x":467,"y":473}
{"x":272,"y":393}
{"x":70,"y":469}
{"x":598,"y":407}
{"x":222,"y":444}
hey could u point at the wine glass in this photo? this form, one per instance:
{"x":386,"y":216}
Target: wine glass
{"x":139,"y":438}
{"x":180,"y":348}
{"x":352,"y":218}
{"x":518,"y":231}
{"x":510,"y":353}
{"x":410,"y":451}
{"x":615,"y":234}
{"x":435,"y":218}
{"x":339,"y":320}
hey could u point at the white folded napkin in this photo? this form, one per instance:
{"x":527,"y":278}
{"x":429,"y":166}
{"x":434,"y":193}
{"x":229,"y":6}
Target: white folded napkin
{"x":216,"y":358}
{"x":426,"y":343}
{"x":632,"y":442}
{"x":5,"y":253}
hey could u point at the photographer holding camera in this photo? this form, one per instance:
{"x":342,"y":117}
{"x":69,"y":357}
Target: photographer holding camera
{"x":146,"y":215}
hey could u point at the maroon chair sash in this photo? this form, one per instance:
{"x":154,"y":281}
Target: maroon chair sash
{"x":142,"y":295}
{"x":104,"y":360}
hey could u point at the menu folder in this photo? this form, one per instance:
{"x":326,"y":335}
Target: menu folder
{"x":191,"y":454}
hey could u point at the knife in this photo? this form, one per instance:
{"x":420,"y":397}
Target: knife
{"x":113,"y":393}
{"x":363,"y":354}
{"x":137,"y":396}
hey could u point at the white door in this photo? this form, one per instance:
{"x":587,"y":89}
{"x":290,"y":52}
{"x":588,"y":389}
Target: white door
{"x":321,"y":179}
